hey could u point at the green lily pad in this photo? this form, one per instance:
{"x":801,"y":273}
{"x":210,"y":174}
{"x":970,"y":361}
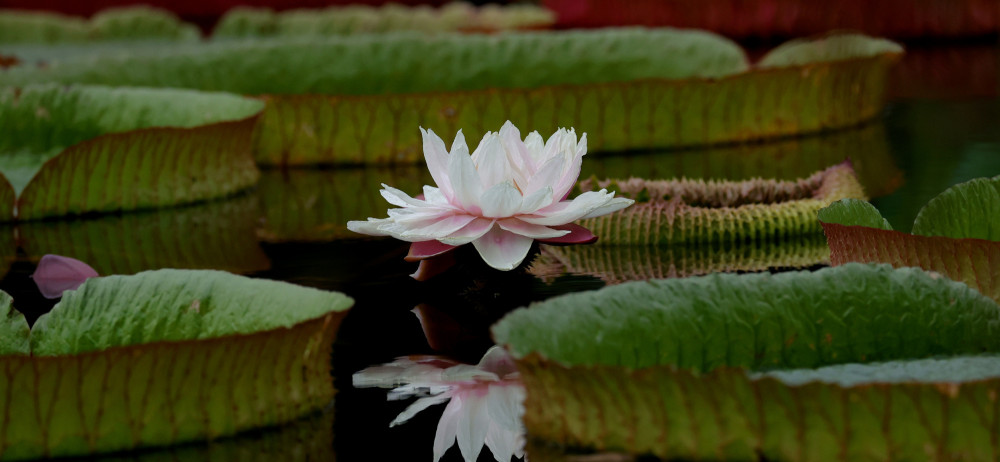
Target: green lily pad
{"x":131,"y":23}
{"x":13,"y":329}
{"x":164,"y":357}
{"x":955,"y":234}
{"x":241,"y":22}
{"x":613,"y":84}
{"x":74,"y":150}
{"x":844,"y":363}
{"x":728,"y":212}
{"x":218,"y":235}
{"x":785,"y":159}
{"x":619,"y":264}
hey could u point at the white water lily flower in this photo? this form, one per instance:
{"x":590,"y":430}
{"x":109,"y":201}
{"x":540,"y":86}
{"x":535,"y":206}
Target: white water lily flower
{"x":501,"y":198}
{"x":486,"y":401}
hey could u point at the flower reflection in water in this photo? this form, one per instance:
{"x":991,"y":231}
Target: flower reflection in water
{"x":485,"y":401}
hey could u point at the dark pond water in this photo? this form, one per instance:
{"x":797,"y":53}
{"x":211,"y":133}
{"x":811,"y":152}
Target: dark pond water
{"x":943,"y":127}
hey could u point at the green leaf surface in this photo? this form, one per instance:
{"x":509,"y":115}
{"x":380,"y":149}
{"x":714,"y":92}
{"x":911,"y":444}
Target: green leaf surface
{"x":832,"y":48}
{"x":71,"y":150}
{"x":131,"y":23}
{"x":849,"y":313}
{"x":374,"y":64}
{"x":13,"y":328}
{"x":966,"y":210}
{"x":167,"y":357}
{"x":618,"y":264}
{"x":173,"y":305}
{"x":686,"y":211}
{"x":853,"y":212}
{"x":390,"y":17}
{"x":854,"y":362}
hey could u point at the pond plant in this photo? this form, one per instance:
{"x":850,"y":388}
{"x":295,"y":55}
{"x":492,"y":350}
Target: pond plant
{"x":855,"y":362}
{"x":82,"y":149}
{"x":163,"y":357}
{"x":112,"y":24}
{"x":500,"y":198}
{"x":684,"y":211}
{"x":245,"y":22}
{"x":356,"y":109}
{"x":955,"y":234}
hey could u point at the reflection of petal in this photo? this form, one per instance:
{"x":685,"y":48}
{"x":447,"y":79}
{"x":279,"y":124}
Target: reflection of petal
{"x":501,"y":249}
{"x":502,"y":443}
{"x":474,"y":423}
{"x":447,"y":428}
{"x":417,"y":406}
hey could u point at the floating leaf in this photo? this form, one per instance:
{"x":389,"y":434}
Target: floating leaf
{"x":853,"y":211}
{"x":955,"y":234}
{"x":218,"y":235}
{"x":832,"y":48}
{"x":94,"y":149}
{"x":390,"y":17}
{"x":618,"y":264}
{"x":625,"y":97}
{"x":789,"y":18}
{"x":13,"y":330}
{"x":168,"y":356}
{"x":785,"y":159}
{"x":689,"y":211}
{"x":131,"y":23}
{"x":965,"y":211}
{"x":56,"y":274}
{"x":847,"y":363}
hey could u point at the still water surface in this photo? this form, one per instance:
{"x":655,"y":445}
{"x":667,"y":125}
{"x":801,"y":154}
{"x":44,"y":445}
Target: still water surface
{"x":943,"y":128}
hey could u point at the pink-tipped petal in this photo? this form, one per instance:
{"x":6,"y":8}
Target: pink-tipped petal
{"x":565,"y":184}
{"x":56,"y":274}
{"x":472,"y":231}
{"x":529,"y":230}
{"x":426,"y":249}
{"x":577,"y":235}
{"x":437,"y":161}
{"x":548,"y":175}
{"x":439,"y":228}
{"x":501,"y":249}
{"x":537,"y":200}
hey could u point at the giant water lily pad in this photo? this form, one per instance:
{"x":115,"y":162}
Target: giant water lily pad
{"x":618,"y":264}
{"x":785,"y":159}
{"x":956,"y":234}
{"x":164,"y":357}
{"x":855,"y":362}
{"x":692,"y":211}
{"x":390,"y":17}
{"x":612,"y":84}
{"x":131,"y":23}
{"x":74,"y":150}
